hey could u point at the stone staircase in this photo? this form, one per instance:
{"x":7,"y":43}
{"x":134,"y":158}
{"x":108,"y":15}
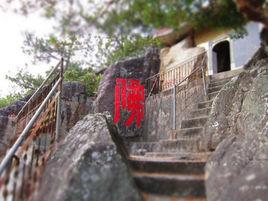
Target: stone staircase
{"x":173,"y":169}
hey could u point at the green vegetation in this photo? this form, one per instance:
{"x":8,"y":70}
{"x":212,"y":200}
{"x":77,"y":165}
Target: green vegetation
{"x":27,"y":82}
{"x":85,"y":76}
{"x":130,"y":47}
{"x":9,"y":99}
{"x":148,"y":14}
{"x":119,"y":28}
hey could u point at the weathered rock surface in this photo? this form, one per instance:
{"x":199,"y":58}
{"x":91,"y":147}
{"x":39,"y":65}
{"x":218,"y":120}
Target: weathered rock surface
{"x":76,"y":104}
{"x":169,"y":55}
{"x":238,"y":129}
{"x":88,"y":166}
{"x":7,"y":118}
{"x":139,"y":68}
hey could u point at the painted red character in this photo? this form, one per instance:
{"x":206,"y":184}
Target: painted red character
{"x":129,"y":94}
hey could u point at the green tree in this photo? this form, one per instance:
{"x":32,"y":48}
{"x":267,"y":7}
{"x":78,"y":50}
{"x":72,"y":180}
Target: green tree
{"x":117,"y":21}
{"x":85,"y":76}
{"x":122,"y":28}
{"x":131,"y":16}
{"x":9,"y":99}
{"x":126,"y":16}
{"x":26,"y":81}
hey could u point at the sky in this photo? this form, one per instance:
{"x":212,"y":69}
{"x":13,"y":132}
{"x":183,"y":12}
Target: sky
{"x":12,"y":28}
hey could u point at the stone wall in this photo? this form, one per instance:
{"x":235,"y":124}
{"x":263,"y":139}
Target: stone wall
{"x":253,"y":38}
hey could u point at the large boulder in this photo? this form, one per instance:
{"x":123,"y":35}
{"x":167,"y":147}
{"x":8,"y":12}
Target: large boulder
{"x":238,"y":129}
{"x":138,"y":68}
{"x":88,"y":166}
{"x":75,"y":105}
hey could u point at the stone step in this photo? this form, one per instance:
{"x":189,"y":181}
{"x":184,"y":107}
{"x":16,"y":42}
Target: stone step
{"x":215,"y":89}
{"x":194,"y":122}
{"x":189,"y":132}
{"x":176,"y":155}
{"x":171,"y":184}
{"x":154,"y":197}
{"x":204,"y":104}
{"x":141,"y":148}
{"x":218,"y":83}
{"x":169,"y":164}
{"x":211,"y":96}
{"x":184,"y":144}
{"x":226,"y":74}
{"x":180,"y":144}
{"x":200,"y":112}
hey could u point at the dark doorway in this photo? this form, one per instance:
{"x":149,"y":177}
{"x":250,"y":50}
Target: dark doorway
{"x":221,"y":57}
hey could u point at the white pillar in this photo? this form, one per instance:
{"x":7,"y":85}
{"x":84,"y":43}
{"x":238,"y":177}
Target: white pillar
{"x":232,"y":58}
{"x":210,"y":59}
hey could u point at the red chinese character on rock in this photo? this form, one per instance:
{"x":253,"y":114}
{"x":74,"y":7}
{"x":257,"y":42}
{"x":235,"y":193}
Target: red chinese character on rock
{"x":130,"y":95}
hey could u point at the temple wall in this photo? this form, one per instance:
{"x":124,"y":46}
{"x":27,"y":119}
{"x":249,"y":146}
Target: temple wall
{"x":242,"y":50}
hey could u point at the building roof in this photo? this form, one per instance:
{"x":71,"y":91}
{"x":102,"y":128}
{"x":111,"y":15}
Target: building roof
{"x":169,"y":36}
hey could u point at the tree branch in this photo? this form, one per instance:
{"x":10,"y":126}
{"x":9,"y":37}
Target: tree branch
{"x":253,"y":10}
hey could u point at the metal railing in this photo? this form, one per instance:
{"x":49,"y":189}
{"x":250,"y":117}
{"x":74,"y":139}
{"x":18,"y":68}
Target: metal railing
{"x":185,"y":85}
{"x":176,"y":76}
{"x":36,"y":132}
{"x":188,"y":92}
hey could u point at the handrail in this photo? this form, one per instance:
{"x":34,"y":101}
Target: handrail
{"x":187,"y":77}
{"x":39,"y":88}
{"x":193,"y":95}
{"x":9,"y":156}
{"x":204,"y":78}
{"x":35,"y":136}
{"x":176,"y":76}
{"x":152,"y":87}
{"x":178,"y":65}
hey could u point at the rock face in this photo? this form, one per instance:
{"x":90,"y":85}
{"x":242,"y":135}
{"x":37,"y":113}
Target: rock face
{"x":238,"y":129}
{"x":139,"y":68}
{"x":169,"y":55}
{"x":76,"y":104}
{"x":88,"y":166}
{"x":7,"y":118}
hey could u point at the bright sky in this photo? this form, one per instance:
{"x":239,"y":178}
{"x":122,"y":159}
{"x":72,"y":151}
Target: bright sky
{"x":11,"y":41}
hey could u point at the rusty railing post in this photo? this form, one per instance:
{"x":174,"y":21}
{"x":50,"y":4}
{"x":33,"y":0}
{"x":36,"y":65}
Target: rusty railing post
{"x":59,"y":105}
{"x":174,"y":104}
{"x":204,"y":76}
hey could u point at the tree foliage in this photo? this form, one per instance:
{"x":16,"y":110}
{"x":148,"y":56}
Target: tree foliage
{"x":97,"y":29}
{"x":117,"y":21}
{"x":9,"y":99}
{"x":125,"y":16}
{"x":96,"y":33}
{"x":85,"y":76}
{"x":26,"y":81}
{"x":125,"y":47}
